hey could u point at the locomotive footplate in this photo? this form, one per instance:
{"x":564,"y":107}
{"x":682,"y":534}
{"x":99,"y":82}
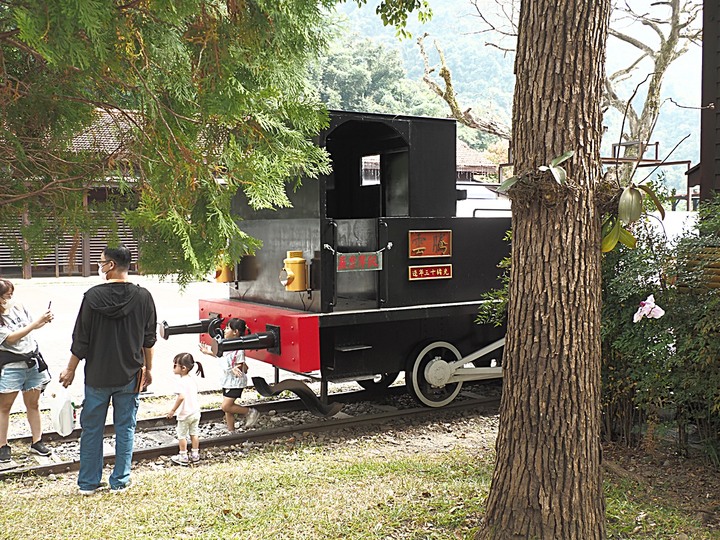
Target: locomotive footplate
{"x":301,"y":390}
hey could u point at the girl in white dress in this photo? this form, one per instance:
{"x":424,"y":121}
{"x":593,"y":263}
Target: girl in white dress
{"x":234,"y":377}
{"x":186,"y":408}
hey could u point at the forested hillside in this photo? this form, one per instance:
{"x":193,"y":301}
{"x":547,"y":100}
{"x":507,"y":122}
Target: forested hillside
{"x":483,"y":76}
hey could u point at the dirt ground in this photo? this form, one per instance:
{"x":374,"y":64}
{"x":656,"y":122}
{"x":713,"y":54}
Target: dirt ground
{"x":689,"y":483}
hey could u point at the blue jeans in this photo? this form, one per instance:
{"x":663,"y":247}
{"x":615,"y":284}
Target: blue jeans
{"x":92,"y":421}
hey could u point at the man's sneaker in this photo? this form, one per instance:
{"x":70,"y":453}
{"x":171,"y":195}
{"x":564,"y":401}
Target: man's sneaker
{"x":102,"y":486}
{"x":120,"y":489}
{"x":195,"y":457}
{"x":40,"y":449}
{"x":180,"y":459}
{"x":252,"y":418}
{"x":5,"y":454}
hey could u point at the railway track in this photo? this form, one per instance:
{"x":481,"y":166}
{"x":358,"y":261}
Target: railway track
{"x":155,"y":437}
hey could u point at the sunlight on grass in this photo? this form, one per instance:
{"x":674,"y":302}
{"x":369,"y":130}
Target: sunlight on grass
{"x":307,"y":492}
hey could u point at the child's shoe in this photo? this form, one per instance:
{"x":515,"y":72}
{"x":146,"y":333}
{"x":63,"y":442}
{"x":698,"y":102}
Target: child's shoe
{"x":194,"y":457}
{"x":180,"y":459}
{"x":252,"y":418}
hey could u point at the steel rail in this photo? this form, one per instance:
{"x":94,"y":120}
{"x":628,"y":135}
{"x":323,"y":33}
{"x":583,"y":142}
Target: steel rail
{"x":279,"y":405}
{"x":332,"y":424}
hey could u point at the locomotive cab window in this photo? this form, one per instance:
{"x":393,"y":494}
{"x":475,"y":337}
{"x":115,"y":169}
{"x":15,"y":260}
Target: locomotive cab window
{"x":370,"y":170}
{"x":366,"y":180}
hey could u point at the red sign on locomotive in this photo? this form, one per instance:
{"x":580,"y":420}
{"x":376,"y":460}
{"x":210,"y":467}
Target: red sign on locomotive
{"x":432,"y":271}
{"x":347,"y":262}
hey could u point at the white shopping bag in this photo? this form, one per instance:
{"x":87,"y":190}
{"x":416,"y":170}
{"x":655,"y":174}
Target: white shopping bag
{"x":61,"y":412}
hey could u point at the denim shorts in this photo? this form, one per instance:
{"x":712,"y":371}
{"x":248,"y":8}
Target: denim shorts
{"x":15,"y":379}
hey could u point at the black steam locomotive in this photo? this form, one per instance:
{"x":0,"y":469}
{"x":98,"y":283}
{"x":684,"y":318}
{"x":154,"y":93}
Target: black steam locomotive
{"x":369,"y":273}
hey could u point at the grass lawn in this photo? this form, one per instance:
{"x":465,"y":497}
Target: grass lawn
{"x":365,"y":488}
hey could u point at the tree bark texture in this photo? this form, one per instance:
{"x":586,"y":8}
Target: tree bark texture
{"x":548,"y":479}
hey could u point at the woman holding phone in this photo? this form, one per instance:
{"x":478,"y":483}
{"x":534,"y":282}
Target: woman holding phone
{"x":22,"y":368}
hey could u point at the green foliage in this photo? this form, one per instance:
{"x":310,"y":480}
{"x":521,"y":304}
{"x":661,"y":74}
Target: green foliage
{"x":665,"y":368}
{"x":694,"y":372}
{"x":630,"y":207}
{"x":709,"y":222}
{"x":395,"y":12}
{"x":613,"y":232}
{"x":558,"y":173}
{"x":494,"y":310}
{"x":635,"y":355}
{"x":360,"y":74}
{"x":483,"y":76}
{"x":474,"y":138}
{"x":697,"y":319}
{"x":197,"y":99}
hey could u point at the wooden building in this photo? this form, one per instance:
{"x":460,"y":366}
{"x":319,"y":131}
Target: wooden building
{"x":74,"y":255}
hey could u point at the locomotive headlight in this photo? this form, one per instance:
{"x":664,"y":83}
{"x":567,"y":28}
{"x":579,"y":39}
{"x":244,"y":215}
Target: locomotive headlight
{"x":293,"y":275}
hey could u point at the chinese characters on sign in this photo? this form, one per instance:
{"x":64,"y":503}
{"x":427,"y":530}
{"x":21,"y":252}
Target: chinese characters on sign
{"x":348,"y":262}
{"x":430,"y":244}
{"x":432,"y":271}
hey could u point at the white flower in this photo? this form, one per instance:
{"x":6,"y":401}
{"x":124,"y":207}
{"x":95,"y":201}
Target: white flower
{"x":648,"y":309}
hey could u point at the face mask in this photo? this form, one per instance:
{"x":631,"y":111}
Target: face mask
{"x":102,"y":274}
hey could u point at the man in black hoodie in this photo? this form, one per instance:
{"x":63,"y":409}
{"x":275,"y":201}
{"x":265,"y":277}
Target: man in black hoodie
{"x":115,"y":332}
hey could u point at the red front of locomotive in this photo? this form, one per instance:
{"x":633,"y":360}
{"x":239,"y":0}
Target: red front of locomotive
{"x":299,"y":347}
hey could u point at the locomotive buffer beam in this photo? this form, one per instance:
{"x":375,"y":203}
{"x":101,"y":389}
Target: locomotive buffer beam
{"x":301,"y":390}
{"x":203,"y":326}
{"x":438,"y":372}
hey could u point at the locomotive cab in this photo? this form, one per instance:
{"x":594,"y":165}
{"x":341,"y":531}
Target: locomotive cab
{"x":393,"y":279}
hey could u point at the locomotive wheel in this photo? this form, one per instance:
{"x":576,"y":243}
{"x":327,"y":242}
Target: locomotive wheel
{"x":380,"y":382}
{"x":433,"y":356}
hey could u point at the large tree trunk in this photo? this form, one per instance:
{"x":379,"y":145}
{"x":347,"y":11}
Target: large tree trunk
{"x":548,"y":480}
